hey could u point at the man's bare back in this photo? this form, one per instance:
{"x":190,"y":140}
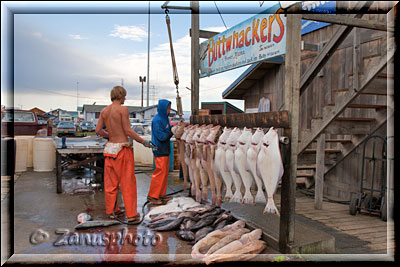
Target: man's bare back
{"x":116,"y":119}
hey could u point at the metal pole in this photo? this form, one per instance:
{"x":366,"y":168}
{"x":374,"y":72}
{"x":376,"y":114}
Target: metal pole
{"x":77,"y":103}
{"x":142,"y":92}
{"x":148,"y":59}
{"x":194,"y":5}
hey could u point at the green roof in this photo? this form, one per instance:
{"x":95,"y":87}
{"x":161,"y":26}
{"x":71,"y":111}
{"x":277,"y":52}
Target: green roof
{"x":225,"y":103}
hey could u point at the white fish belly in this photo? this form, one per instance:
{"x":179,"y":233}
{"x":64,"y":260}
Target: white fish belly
{"x":241,"y":161}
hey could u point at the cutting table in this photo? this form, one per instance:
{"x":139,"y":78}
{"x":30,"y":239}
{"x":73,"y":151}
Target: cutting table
{"x":79,"y":152}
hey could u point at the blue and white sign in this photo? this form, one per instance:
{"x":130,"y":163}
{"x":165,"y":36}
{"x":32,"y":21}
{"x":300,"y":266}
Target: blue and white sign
{"x":258,"y":38}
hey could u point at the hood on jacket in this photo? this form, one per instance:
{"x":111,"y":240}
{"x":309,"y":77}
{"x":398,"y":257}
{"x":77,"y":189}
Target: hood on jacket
{"x":162,"y":107}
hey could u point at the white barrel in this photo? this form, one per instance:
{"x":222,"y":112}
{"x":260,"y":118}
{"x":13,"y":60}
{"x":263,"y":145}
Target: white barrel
{"x":21,"y":155}
{"x":29,"y":138}
{"x":44,"y":154}
{"x":142,"y":154}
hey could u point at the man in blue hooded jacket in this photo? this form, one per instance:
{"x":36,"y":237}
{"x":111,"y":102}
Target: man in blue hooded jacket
{"x":160,"y":136}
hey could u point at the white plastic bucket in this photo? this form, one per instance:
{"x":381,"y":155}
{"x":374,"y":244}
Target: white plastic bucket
{"x":21,"y":155}
{"x":29,"y":138}
{"x":44,"y":154}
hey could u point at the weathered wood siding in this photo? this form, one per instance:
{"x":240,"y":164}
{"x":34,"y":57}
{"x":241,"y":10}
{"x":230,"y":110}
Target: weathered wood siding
{"x":336,"y":75}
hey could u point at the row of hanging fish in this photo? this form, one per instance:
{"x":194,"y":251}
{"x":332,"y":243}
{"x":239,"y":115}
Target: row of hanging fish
{"x":214,"y":155}
{"x":208,"y":228}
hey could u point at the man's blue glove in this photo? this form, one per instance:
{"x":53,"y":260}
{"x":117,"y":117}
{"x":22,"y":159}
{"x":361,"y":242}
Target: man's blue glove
{"x":146,"y":143}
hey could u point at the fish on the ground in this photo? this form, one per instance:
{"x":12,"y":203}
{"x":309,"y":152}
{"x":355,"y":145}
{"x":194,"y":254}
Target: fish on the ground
{"x":202,"y":233}
{"x":83,"y":217}
{"x":252,"y":154}
{"x":187,"y":224}
{"x":220,"y":163}
{"x":96,"y":223}
{"x":200,"y":209}
{"x":204,"y":222}
{"x":214,"y":236}
{"x":82,"y":191}
{"x":186,"y":235}
{"x":222,"y":217}
{"x":235,"y":246}
{"x":161,"y":222}
{"x":222,"y":224}
{"x":215,"y":211}
{"x":190,"y":215}
{"x":270,"y":167}
{"x":163,"y":216}
{"x":242,"y":146}
{"x":230,"y":160}
{"x":170,"y":207}
{"x":247,"y":252}
{"x":224,"y":241}
{"x":170,"y":226}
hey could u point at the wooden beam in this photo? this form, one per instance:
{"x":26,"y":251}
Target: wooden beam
{"x":277,"y":119}
{"x":195,"y":46}
{"x":204,"y":34}
{"x":356,"y":59}
{"x":329,"y":49}
{"x":291,"y":97}
{"x":348,"y":21}
{"x":330,"y":113}
{"x":319,"y":172}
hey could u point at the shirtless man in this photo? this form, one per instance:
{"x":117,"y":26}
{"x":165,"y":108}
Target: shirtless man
{"x":119,"y":166}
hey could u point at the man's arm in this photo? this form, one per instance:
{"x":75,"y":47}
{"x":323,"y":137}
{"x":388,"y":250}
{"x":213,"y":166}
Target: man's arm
{"x":160,"y":133}
{"x":99,"y":127}
{"x":126,"y":126}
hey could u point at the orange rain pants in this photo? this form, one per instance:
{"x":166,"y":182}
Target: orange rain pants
{"x":120,"y":171}
{"x":158,"y":185}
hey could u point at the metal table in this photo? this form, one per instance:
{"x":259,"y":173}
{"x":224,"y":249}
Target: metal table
{"x":91,"y":150}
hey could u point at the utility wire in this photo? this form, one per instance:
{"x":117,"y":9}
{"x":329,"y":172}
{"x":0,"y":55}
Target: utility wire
{"x":220,"y":14}
{"x":51,"y":92}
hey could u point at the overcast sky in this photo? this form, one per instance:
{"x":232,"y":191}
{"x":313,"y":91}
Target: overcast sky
{"x":54,"y":52}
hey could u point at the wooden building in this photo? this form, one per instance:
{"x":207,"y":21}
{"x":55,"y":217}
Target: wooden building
{"x":342,"y":102}
{"x":222,"y":107}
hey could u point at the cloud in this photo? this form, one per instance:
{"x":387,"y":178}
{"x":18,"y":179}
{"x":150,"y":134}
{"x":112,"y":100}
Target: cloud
{"x":77,"y":37}
{"x":134,"y":33}
{"x":47,"y":69}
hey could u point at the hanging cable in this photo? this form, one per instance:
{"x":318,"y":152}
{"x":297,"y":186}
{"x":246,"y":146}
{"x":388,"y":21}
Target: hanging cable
{"x":220,"y":14}
{"x":174,"y":69}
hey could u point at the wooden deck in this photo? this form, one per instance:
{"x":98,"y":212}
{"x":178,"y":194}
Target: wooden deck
{"x":369,"y":228}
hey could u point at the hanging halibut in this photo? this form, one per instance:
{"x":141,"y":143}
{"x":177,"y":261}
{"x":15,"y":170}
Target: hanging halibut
{"x":220,"y":162}
{"x":231,"y":166}
{"x":270,"y":166}
{"x":211,"y":140}
{"x":241,"y":161}
{"x":252,"y":154}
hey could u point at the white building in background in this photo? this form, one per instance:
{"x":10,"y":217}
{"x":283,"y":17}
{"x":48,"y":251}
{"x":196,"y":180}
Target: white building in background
{"x":92,"y":112}
{"x":148,"y":113}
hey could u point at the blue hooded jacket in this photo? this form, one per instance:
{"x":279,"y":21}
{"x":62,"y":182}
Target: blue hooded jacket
{"x":161,"y":130}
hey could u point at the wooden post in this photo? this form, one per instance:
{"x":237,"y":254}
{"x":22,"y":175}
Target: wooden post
{"x":319,"y":173}
{"x":194,"y":5}
{"x":58,"y":172}
{"x":356,"y":59}
{"x":291,"y":101}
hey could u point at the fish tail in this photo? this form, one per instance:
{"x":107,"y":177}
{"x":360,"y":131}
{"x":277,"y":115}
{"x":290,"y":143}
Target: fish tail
{"x":270,"y":207}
